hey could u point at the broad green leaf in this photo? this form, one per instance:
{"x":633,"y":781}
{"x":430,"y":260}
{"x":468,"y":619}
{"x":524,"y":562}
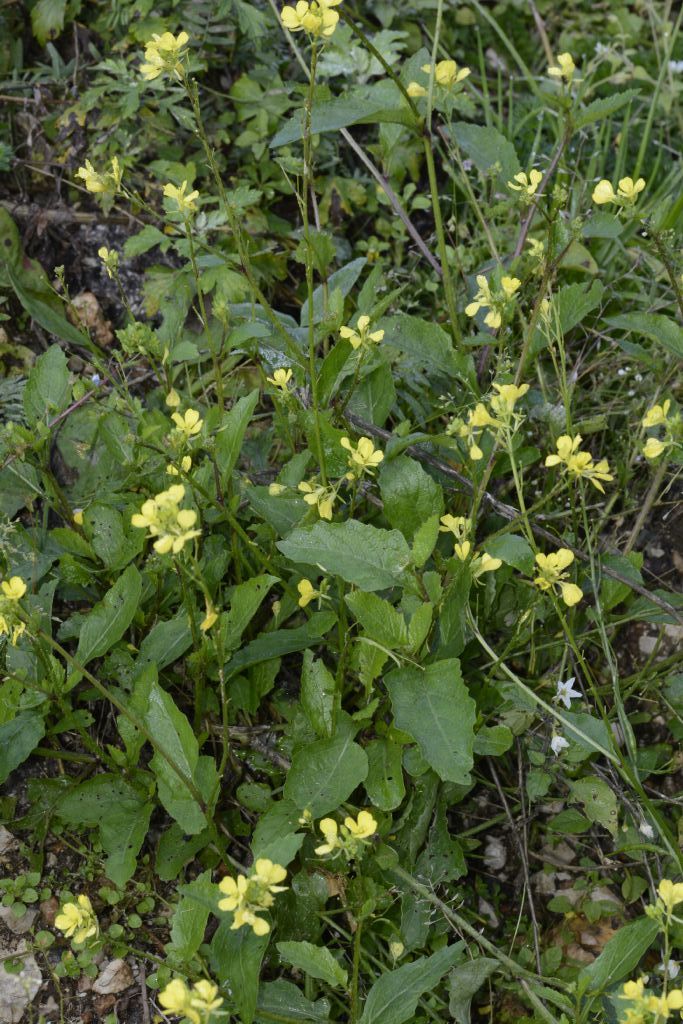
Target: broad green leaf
{"x":143,"y":241}
{"x":175,"y":849}
{"x":341,"y":282}
{"x":230,"y":434}
{"x":435,"y":708}
{"x":380,"y":102}
{"x":576,"y":301}
{"x":424,"y":541}
{"x":598,"y":801}
{"x":235,"y":958}
{"x":384,"y":784}
{"x":280,"y":642}
{"x":464,"y":982}
{"x":43,"y":307}
{"x":364,"y":555}
{"x":245,"y":600}
{"x":394,"y":996}
{"x":112,"y":542}
{"x":165,"y":643}
{"x":374,"y":397}
{"x":119,"y":811}
{"x":599,"y":109}
{"x":281,"y":1000}
{"x":188,"y":924}
{"x":513,"y":550}
{"x":493,"y":740}
{"x":109,"y":619}
{"x":47,"y":390}
{"x":318,"y":689}
{"x":18,"y":738}
{"x":488,"y":148}
{"x":379,"y":619}
{"x":315,"y":961}
{"x":426,"y":344}
{"x":655,"y":326}
{"x":620,"y":956}
{"x":409,"y":493}
{"x":277,"y":834}
{"x":325,"y":773}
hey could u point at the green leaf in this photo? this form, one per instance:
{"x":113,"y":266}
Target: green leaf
{"x":280,"y":642}
{"x":245,"y":600}
{"x":488,"y":148}
{"x":379,"y":619}
{"x":47,"y":390}
{"x":512,"y":550}
{"x":119,"y":811}
{"x":598,"y":800}
{"x":111,"y":541}
{"x":318,"y":688}
{"x":47,"y":19}
{"x":197,"y":900}
{"x":165,"y":643}
{"x":599,"y":109}
{"x":235,"y":958}
{"x":464,"y":982}
{"x":315,"y":961}
{"x":409,"y":493}
{"x":230,"y":434}
{"x":380,"y":102}
{"x":620,"y":956}
{"x":394,"y":996}
{"x":281,"y":1000}
{"x":18,"y":739}
{"x":384,"y":784}
{"x":435,"y":708}
{"x":341,"y":282}
{"x":109,"y":619}
{"x":44,"y":307}
{"x":427,"y":344}
{"x":324,"y":774}
{"x":277,"y":834}
{"x":655,"y":326}
{"x":575,"y":301}
{"x":145,"y":240}
{"x":374,"y":397}
{"x":364,"y":555}
{"x":493,"y":740}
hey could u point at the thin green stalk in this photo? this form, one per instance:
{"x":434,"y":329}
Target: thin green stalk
{"x":205,"y":320}
{"x":355,"y":971}
{"x":448,"y":286}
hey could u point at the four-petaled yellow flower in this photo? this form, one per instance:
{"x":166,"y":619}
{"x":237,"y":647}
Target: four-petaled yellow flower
{"x":247,"y":896}
{"x":626,"y":194}
{"x":656,"y":415}
{"x":361,"y":336}
{"x":551,"y":574}
{"x":579,"y":463}
{"x":315,"y":17}
{"x":78,"y":920}
{"x":322,"y":497}
{"x":564,"y":68}
{"x":525,"y":183}
{"x":165,"y":520}
{"x":495,"y":302}
{"x":447,"y":73}
{"x":185,"y":203}
{"x":503,"y":404}
{"x":281,"y":379}
{"x":11,"y":592}
{"x":94,"y":181}
{"x":365,"y":458}
{"x":670,"y":893}
{"x":110,"y":258}
{"x":484,"y":563}
{"x":195,"y":1004}
{"x":13,"y":589}
{"x":350,"y":838}
{"x":164,"y":52}
{"x":189,"y":424}
{"x":307,"y":593}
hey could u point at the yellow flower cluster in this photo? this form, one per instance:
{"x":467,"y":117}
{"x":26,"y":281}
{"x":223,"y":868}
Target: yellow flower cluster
{"x":626,"y":194}
{"x":316,"y":17}
{"x":281,"y":379}
{"x":578,"y":463}
{"x":108,"y":181}
{"x":362,"y":336}
{"x":364,"y":457}
{"x":564,"y":68}
{"x":248,"y":896}
{"x":11,"y":592}
{"x":350,"y":839}
{"x":195,"y":1004}
{"x":447,"y":74}
{"x":165,"y":520}
{"x":495,"y":301}
{"x":164,"y":53}
{"x":322,"y":497}
{"x":186,"y":204}
{"x":551,"y":575}
{"x":461,"y":527}
{"x":78,"y":920}
{"x":658,"y":416}
{"x":526,"y":184}
{"x":502,"y":404}
{"x":110,"y":258}
{"x":646,"y":1007}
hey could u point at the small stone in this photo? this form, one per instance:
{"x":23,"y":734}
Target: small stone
{"x":116,"y":976}
{"x":17,"y":925}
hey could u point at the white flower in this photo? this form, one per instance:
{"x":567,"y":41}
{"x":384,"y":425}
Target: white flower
{"x":671,"y":968}
{"x":647,"y":830}
{"x":558,"y":744}
{"x":676,"y":66}
{"x":566,"y":694}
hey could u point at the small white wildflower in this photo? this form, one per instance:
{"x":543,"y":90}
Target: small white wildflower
{"x":558,"y":744}
{"x":565,"y":692}
{"x":647,"y":830}
{"x":671,"y":968}
{"x":676,"y":66}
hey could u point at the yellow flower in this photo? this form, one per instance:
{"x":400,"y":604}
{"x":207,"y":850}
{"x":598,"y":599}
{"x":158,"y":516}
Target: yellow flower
{"x":503,"y":404}
{"x":280,"y":379}
{"x":171,"y":525}
{"x":447,"y":73}
{"x":307,"y":593}
{"x":578,"y":463}
{"x":110,"y":258}
{"x":110,"y":181}
{"x":670,"y":893}
{"x":653,"y":447}
{"x":164,"y":52}
{"x":315,"y":17}
{"x":322,"y":497}
{"x":175,"y":998}
{"x":13,"y":589}
{"x":350,"y":839}
{"x":510,"y":285}
{"x":365,"y":458}
{"x":209,"y":619}
{"x":564,"y":68}
{"x":415,"y":90}
{"x":361,"y":336}
{"x":78,"y":516}
{"x":551,"y":574}
{"x":634,"y":990}
{"x":363,"y":827}
{"x":275,"y":490}
{"x":173,"y":399}
{"x":185,"y":203}
{"x":626,"y":194}
{"x":77,"y":920}
{"x":248,"y":896}
{"x":484,"y":563}
{"x":330,"y":830}
{"x":189,"y":424}
{"x":656,"y":415}
{"x":604,"y":193}
{"x":527,"y":184}
{"x":185,"y":466}
{"x":486,"y":299}
{"x":536,"y":247}
{"x":477,"y":419}
{"x":204,"y":998}
{"x":460,"y":527}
